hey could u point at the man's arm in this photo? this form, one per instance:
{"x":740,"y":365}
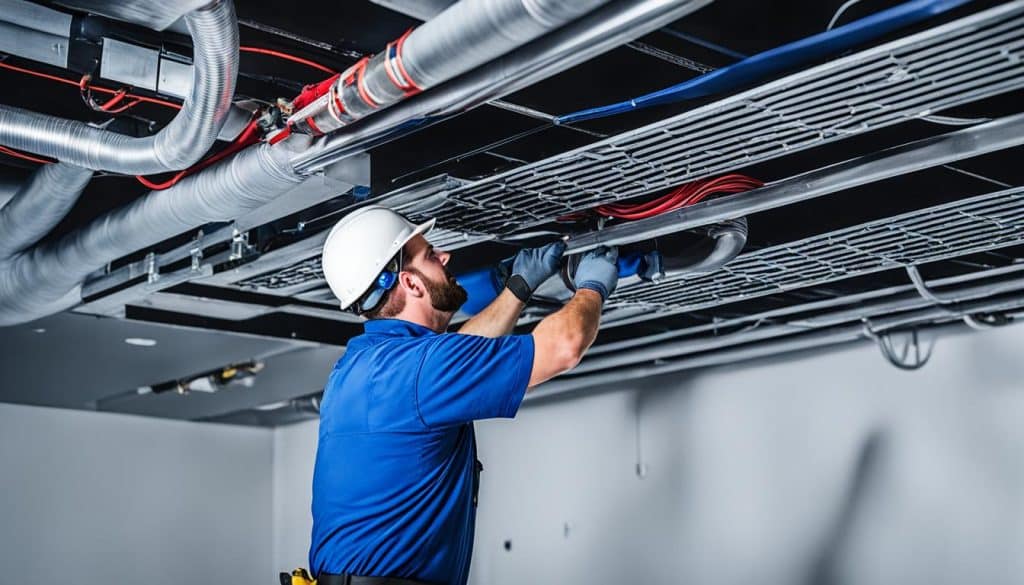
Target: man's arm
{"x":497,"y":319}
{"x":561,"y":339}
{"x":530,"y":269}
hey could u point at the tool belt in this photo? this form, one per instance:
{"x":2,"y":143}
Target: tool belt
{"x":302,"y":577}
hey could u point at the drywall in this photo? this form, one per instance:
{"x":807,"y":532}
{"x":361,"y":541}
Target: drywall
{"x":294,"y":453}
{"x":831,"y":468}
{"x":98,"y":498}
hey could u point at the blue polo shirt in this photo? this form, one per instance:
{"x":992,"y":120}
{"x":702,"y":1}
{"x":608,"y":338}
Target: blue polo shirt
{"x":395,"y":477}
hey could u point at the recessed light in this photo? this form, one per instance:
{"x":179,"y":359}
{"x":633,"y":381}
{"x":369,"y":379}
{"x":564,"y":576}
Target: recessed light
{"x":140,"y":341}
{"x":39,"y":330}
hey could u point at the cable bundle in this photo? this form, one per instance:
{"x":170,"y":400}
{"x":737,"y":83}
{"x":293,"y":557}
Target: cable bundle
{"x":682,"y":196}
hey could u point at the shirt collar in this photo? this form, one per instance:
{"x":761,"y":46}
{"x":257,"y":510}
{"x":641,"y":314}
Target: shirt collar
{"x":396,"y":327}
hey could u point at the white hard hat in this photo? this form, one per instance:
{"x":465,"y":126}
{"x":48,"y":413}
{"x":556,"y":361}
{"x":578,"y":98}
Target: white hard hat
{"x":361,"y":245}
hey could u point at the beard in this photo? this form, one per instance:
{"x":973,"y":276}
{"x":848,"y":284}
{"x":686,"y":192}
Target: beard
{"x":445,"y":296}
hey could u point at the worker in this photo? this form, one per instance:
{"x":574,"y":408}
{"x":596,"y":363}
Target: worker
{"x":396,"y":477}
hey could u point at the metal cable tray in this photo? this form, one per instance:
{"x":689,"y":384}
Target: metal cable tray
{"x":967,"y":60}
{"x":972,"y":225}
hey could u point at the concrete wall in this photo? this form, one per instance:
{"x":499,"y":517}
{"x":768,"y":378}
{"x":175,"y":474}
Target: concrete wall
{"x":95,"y":499}
{"x":830,"y":468}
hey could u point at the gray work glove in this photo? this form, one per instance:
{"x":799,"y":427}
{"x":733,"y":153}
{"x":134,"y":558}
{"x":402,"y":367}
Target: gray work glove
{"x":598,"y":271}
{"x":532,"y":267}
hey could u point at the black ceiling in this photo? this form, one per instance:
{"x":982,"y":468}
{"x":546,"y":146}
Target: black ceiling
{"x":79,"y":359}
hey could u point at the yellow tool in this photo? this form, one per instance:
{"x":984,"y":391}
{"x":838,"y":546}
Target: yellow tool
{"x":297,"y":577}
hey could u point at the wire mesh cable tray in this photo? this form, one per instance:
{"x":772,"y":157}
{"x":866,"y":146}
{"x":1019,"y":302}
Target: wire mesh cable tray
{"x":964,"y":227}
{"x":967,"y":60}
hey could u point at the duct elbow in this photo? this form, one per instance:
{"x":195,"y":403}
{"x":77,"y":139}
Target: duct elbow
{"x":180,"y":144}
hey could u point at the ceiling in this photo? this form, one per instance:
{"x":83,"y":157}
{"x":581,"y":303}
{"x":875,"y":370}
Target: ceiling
{"x":237,"y":313}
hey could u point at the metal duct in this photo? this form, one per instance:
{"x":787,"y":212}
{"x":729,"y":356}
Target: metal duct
{"x":155,"y":15}
{"x":9,"y":185}
{"x":467,"y":35}
{"x":43,"y":280}
{"x":472,"y":32}
{"x":180,"y":144}
{"x":602,"y":30}
{"x":724,"y":243}
{"x":39,"y":205}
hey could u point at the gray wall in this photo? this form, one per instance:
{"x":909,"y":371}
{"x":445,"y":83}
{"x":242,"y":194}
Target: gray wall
{"x":86,"y":495}
{"x":830,"y":468}
{"x":294,"y":453}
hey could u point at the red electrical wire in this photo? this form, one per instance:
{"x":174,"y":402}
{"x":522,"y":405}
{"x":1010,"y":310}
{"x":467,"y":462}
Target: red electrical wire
{"x":287,"y":57}
{"x":79,"y":84}
{"x":248,"y":137}
{"x":23,"y":156}
{"x":682,"y":196}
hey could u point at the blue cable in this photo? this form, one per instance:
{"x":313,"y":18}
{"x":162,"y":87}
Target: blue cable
{"x":778,"y":59}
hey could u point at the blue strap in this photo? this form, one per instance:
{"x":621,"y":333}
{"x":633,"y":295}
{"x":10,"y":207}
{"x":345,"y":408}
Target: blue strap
{"x":779,"y":59}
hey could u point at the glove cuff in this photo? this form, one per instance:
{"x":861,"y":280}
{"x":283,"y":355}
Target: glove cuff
{"x":595,"y":286}
{"x":517,"y":284}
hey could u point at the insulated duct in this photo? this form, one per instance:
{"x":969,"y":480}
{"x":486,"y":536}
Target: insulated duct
{"x":39,"y":205}
{"x":9,"y":186}
{"x":467,"y":35}
{"x":180,"y":144}
{"x":43,"y":280}
{"x":604,"y":29}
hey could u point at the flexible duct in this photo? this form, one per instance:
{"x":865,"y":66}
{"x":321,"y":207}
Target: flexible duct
{"x":39,"y":204}
{"x":9,"y":186}
{"x":180,"y":144}
{"x":604,"y":29}
{"x":723,"y":243}
{"x":468,"y":34}
{"x":43,"y":280}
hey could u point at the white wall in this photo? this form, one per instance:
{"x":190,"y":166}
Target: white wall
{"x":96,"y":498}
{"x":831,"y":468}
{"x":294,"y":454}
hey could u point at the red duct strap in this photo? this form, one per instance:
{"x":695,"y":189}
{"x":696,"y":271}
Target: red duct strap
{"x":395,"y":69}
{"x":356,"y":74}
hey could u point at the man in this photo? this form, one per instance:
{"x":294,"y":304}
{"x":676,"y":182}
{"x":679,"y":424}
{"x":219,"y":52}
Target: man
{"x":394,"y":489}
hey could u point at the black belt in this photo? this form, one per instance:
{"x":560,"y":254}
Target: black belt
{"x":328,"y":579}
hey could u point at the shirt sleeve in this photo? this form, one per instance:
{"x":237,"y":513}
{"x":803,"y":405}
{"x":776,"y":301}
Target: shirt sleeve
{"x":466,"y":377}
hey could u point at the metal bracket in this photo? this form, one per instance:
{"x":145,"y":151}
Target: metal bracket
{"x":195,"y":253}
{"x":152,"y":268}
{"x":240,"y":247}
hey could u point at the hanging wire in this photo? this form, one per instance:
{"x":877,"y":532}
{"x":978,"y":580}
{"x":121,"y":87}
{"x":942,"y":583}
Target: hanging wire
{"x":954,"y":120}
{"x":903,"y":358}
{"x":986,"y":321}
{"x":842,"y":9}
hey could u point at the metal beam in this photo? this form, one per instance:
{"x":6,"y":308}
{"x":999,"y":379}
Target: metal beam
{"x":886,"y":308}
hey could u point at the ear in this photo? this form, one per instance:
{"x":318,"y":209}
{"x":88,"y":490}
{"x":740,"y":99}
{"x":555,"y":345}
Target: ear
{"x":412,"y":284}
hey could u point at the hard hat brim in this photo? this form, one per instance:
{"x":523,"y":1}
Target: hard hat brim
{"x":422,"y":229}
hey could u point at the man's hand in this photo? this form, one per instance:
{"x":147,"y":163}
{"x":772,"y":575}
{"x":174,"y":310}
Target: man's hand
{"x":598,"y":271}
{"x":532,"y":267}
